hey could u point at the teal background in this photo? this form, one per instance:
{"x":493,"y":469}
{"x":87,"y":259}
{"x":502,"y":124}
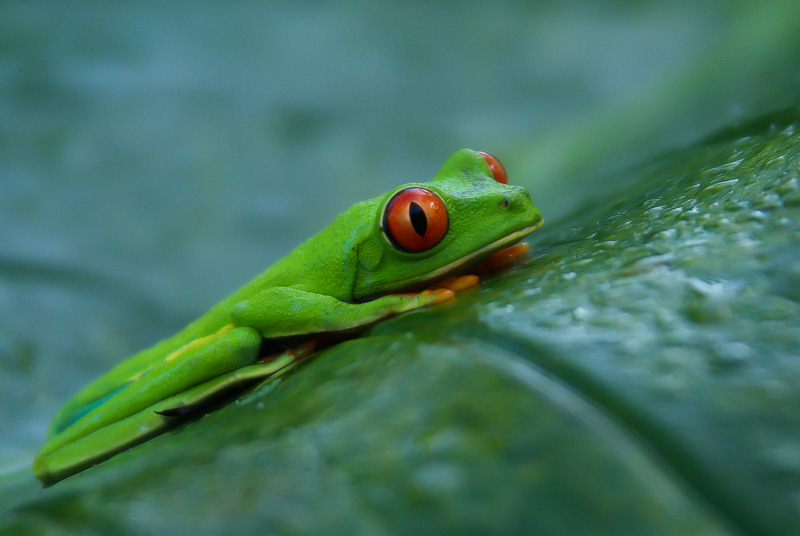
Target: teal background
{"x":155,"y":156}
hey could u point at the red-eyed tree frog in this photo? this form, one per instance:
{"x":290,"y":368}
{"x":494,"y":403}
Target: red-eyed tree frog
{"x":377,"y":259}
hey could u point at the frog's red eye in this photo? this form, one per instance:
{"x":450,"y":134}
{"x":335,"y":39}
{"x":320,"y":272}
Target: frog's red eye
{"x":497,"y":169}
{"x":415,"y":219}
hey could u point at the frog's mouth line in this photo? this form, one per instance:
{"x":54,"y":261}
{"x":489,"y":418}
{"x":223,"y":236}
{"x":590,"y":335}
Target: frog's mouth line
{"x":479,"y":254}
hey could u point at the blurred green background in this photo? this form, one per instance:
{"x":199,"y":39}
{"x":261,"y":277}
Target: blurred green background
{"x":156,"y":155}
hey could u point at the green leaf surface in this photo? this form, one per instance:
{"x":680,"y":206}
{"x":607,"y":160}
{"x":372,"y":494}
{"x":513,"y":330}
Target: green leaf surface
{"x":638,"y":374}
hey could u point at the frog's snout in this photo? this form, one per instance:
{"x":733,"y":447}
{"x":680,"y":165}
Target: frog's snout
{"x":516,"y":197}
{"x":516,"y":204}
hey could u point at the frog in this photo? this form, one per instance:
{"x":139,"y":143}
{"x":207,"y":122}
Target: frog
{"x":407,"y":249}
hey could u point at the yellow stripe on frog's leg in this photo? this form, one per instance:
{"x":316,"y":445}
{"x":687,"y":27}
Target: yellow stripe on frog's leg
{"x":183,"y":349}
{"x":222,"y":353}
{"x":197,"y":342}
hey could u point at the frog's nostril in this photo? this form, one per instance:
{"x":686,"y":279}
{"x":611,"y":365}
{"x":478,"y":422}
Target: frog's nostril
{"x":504,"y":203}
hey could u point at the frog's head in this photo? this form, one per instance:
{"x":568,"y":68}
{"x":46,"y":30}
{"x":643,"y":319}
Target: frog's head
{"x":426,"y":231}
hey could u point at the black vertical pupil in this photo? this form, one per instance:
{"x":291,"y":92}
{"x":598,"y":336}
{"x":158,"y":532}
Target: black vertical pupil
{"x":418,"y":219}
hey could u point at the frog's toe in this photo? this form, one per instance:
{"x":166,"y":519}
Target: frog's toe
{"x":457,"y":283}
{"x":438,"y":295}
{"x":503,"y":257}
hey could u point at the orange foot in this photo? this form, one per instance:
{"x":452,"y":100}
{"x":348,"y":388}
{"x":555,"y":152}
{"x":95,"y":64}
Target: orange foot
{"x":447,"y":288}
{"x":502,"y":258}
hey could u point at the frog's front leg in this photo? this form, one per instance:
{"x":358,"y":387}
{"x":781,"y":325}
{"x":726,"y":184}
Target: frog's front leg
{"x":288,"y":312}
{"x":128,"y":416}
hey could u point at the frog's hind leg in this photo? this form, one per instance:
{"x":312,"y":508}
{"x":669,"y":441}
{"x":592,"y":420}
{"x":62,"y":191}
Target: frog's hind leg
{"x":157,"y":418}
{"x":127,"y":417}
{"x":200,"y":397}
